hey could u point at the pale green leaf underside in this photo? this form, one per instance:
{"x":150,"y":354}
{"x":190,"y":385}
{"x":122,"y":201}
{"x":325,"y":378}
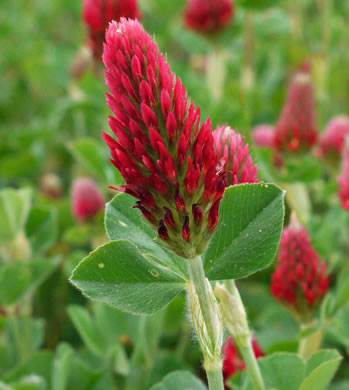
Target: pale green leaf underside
{"x":118,"y":274}
{"x":249,"y":231}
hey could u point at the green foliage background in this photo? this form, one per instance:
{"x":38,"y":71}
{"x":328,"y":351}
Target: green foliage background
{"x":66,"y":341}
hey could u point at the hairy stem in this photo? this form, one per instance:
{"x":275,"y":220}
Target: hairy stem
{"x":207,"y":323}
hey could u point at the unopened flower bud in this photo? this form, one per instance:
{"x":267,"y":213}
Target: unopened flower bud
{"x":87,"y":199}
{"x":233,"y":312}
{"x":210,"y":344}
{"x":51,"y":185}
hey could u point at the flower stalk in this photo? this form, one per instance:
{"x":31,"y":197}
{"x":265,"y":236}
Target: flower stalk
{"x":310,"y":344}
{"x":216,"y":71}
{"x":235,"y":319}
{"x":207,"y":322}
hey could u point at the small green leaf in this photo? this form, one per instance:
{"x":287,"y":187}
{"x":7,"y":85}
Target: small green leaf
{"x":41,"y":229}
{"x":14,"y":209}
{"x":248,"y":233}
{"x":120,"y":275}
{"x":320,"y":370}
{"x":88,"y":152}
{"x":180,"y":380}
{"x":90,"y":155}
{"x":84,"y":324}
{"x":39,"y":363}
{"x":342,"y":295}
{"x":4,"y":386}
{"x":20,"y":279}
{"x":282,"y":371}
{"x":60,"y":368}
{"x":123,"y":222}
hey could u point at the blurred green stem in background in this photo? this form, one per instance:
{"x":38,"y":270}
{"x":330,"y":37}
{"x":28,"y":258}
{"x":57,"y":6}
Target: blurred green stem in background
{"x":296,"y":19}
{"x":207,"y":322}
{"x":248,"y":71}
{"x":216,"y":71}
{"x":310,"y":344}
{"x":298,"y":198}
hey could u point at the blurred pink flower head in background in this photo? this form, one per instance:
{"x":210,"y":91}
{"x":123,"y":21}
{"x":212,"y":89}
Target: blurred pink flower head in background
{"x":263,"y":136}
{"x":296,"y":130}
{"x":98,"y":14}
{"x":87,"y":199}
{"x":209,"y":16}
{"x":332,"y":140}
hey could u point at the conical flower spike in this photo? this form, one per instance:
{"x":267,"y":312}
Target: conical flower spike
{"x":296,"y":130}
{"x":234,"y":158}
{"x":300,"y":280}
{"x":165,"y":156}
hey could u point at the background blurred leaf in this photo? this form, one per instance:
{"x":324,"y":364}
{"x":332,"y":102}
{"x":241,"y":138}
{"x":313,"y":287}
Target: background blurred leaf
{"x":180,"y":380}
{"x":14,"y":209}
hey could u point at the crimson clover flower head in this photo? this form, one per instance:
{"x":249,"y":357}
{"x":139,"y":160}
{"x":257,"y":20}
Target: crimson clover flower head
{"x":234,"y":157}
{"x":97,"y":15}
{"x":233,"y":363}
{"x":263,"y":136}
{"x":87,"y":199}
{"x":296,"y":130}
{"x":300,"y":281}
{"x":165,"y":156}
{"x":343,"y":180}
{"x":209,"y":16}
{"x":332,"y":140}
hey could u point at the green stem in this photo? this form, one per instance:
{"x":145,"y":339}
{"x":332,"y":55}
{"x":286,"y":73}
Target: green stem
{"x":212,"y":359}
{"x":237,"y":326}
{"x":215,"y":379}
{"x":215,"y":71}
{"x":250,"y":360}
{"x":311,"y":344}
{"x":248,"y":76}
